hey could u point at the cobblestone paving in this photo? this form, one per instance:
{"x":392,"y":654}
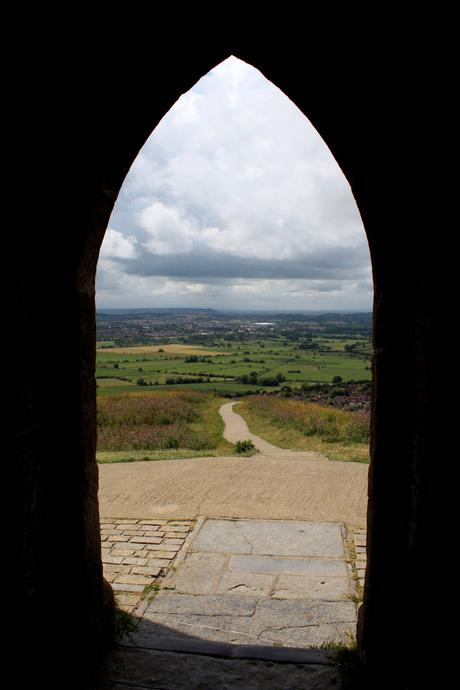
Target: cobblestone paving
{"x":359,"y":538}
{"x":136,"y":553}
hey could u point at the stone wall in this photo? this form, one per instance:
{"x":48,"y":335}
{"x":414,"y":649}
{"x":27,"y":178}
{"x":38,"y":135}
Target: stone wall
{"x":92,"y":111}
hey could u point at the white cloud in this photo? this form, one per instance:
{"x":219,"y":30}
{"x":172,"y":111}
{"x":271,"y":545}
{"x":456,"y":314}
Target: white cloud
{"x":118,"y":246}
{"x":235,"y":169}
{"x":168,"y":232}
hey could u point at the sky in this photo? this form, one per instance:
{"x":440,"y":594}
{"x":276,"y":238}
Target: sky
{"x":235,"y":202}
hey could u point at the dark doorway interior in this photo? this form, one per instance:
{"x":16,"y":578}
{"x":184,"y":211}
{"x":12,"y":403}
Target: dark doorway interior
{"x":81,"y":151}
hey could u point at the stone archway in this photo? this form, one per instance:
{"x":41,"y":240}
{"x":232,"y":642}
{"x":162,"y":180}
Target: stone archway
{"x":357,"y":121}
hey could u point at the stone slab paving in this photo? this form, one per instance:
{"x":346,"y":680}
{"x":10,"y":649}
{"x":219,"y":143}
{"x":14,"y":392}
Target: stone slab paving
{"x":136,"y":553}
{"x":262,"y":537}
{"x":257,"y":582}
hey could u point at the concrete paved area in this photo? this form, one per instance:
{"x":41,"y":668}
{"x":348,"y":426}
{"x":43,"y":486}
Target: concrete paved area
{"x":263,"y":487}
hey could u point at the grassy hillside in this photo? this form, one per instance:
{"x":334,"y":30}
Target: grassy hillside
{"x":299,"y":425}
{"x":167,"y":424}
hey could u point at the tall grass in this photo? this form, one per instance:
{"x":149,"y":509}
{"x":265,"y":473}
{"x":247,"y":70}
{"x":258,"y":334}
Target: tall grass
{"x":339,"y":434}
{"x":312,"y":419}
{"x":152,"y":422}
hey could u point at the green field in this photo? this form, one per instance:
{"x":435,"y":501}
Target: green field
{"x":119,"y":371}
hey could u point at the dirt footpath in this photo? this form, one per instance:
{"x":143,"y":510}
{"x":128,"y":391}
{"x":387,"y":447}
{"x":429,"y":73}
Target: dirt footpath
{"x":236,"y":429}
{"x":275,"y":484}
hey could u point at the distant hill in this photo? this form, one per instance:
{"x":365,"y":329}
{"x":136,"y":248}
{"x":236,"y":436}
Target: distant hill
{"x":155,"y":310}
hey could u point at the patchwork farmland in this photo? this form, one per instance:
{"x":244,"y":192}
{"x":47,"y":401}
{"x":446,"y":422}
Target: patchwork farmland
{"x":231,"y":355}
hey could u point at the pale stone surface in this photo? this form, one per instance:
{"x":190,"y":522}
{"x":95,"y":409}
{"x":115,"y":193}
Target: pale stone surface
{"x":259,"y":583}
{"x":134,"y":556}
{"x":207,"y":605}
{"x":164,"y":555}
{"x":309,"y":636}
{"x":267,"y":537}
{"x":199,"y":573}
{"x":130,"y":579}
{"x":122,"y":552}
{"x":135,"y":561}
{"x":285,"y":614}
{"x":246,"y":600}
{"x":173,"y":541}
{"x":246,"y":583}
{"x":116,"y":569}
{"x":127,"y":588}
{"x":170,"y":548}
{"x":145,"y":540}
{"x":164,"y":626}
{"x":129,"y":668}
{"x":122,"y":544}
{"x":311,"y":587}
{"x":132,"y":532}
{"x":112,"y":559}
{"x":223,"y":595}
{"x":292,"y":566}
{"x":249,"y":619}
{"x":127,"y":599}
{"x":108,"y":532}
{"x":152,"y":570}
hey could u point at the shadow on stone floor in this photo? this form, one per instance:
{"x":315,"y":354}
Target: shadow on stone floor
{"x":162,"y":658}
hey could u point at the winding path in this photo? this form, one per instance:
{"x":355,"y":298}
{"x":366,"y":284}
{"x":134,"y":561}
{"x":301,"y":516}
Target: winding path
{"x":236,"y":429}
{"x":274,"y":484}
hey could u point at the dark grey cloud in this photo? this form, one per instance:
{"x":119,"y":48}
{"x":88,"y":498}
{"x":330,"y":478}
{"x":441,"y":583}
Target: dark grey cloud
{"x":340,"y":263}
